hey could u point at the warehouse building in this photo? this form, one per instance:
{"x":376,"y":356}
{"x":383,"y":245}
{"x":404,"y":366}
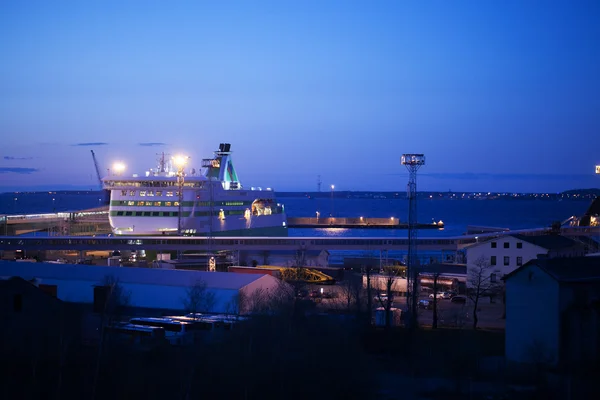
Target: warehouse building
{"x":146,"y":288}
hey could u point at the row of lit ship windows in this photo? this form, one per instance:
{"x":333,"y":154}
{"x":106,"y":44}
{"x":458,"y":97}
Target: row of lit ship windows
{"x":185,"y":214}
{"x":153,"y":184}
{"x":176,"y":203}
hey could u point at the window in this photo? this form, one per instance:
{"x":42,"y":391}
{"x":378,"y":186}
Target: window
{"x":17,"y":302}
{"x":142,"y":192}
{"x":132,"y":192}
{"x":506,"y":260}
{"x":519,"y":261}
{"x":493,"y":260}
{"x":519,"y":245}
{"x":506,"y":245}
{"x":169,"y":194}
{"x":493,"y":245}
{"x":493,"y":278}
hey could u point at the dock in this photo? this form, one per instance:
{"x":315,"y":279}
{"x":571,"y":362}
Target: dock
{"x":95,"y":222}
{"x":356,"y":223}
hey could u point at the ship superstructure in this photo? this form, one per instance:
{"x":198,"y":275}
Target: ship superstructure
{"x":169,"y":200}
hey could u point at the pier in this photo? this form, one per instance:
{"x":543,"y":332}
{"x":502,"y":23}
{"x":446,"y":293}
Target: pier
{"x":358,"y":223}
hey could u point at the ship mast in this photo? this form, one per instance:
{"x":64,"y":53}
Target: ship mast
{"x":162,"y":164}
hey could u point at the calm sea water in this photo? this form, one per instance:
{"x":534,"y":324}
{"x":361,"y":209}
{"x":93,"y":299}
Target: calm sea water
{"x":456,"y":214}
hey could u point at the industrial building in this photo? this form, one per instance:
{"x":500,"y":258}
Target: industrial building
{"x":146,"y":288}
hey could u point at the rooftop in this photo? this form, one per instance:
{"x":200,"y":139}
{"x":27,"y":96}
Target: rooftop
{"x":145,"y":276}
{"x":567,"y":269}
{"x":549,"y":242}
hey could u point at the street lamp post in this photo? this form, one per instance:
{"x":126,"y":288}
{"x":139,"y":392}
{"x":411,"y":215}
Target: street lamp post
{"x":332,"y":187}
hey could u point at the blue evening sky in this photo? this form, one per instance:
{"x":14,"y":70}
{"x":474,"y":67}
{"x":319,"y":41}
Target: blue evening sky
{"x":499,"y":95}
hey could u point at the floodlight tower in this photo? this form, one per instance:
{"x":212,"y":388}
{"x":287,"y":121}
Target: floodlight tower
{"x":412,"y":162}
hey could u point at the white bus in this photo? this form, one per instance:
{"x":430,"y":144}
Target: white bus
{"x":176,"y":332}
{"x":197,"y":323}
{"x":137,"y":334}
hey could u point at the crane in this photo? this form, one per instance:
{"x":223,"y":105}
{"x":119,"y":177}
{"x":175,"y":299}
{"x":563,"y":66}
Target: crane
{"x":97,"y":168}
{"x":105,"y":193}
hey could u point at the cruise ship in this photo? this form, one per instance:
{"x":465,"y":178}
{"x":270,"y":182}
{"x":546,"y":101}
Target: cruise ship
{"x":171,"y":200}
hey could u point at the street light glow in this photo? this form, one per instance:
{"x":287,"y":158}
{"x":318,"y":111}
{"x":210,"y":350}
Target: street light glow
{"x":332,"y":187}
{"x":180,"y":161}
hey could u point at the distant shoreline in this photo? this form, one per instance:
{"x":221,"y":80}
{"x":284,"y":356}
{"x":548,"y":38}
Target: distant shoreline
{"x":576,"y":194}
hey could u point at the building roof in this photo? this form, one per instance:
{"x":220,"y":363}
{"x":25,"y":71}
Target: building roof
{"x":549,"y":242}
{"x":145,"y":276}
{"x":566,"y":269}
{"x":444,"y":269}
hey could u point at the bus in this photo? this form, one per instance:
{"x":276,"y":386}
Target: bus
{"x":176,"y":332}
{"x":136,"y":334}
{"x":197,"y":323}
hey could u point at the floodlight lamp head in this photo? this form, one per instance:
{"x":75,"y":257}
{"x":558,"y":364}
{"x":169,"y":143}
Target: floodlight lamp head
{"x":118,"y":167}
{"x":412,"y":159}
{"x":180,"y":161}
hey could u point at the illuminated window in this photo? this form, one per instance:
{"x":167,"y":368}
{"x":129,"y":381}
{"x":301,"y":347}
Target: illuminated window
{"x":176,"y":203}
{"x":132,"y":192}
{"x":131,"y":203}
{"x":159,"y":192}
{"x":157,"y":203}
{"x":150,"y":193}
{"x":169,"y":194}
{"x":168,"y":203}
{"x":142,"y":192}
{"x":148,"y":203}
{"x":140,"y":203}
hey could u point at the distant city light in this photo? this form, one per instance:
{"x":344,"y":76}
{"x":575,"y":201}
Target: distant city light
{"x":598,"y":169}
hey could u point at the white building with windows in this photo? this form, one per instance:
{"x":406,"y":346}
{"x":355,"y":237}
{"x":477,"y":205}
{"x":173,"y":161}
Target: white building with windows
{"x":508,"y":252}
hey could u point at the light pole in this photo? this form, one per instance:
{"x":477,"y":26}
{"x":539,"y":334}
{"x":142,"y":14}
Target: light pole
{"x":332,"y":187}
{"x":179,"y":162}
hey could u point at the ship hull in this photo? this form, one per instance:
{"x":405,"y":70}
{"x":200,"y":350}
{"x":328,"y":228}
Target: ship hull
{"x":268,"y":225}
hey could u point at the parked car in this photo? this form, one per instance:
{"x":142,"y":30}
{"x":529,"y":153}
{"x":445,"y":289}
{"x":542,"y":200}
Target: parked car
{"x":440,"y":295}
{"x":459,"y":299}
{"x":425,"y":304}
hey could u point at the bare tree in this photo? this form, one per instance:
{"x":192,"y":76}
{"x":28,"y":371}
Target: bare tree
{"x":198,"y":299}
{"x":116,"y":301}
{"x":480,"y":283}
{"x":436,"y":276}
